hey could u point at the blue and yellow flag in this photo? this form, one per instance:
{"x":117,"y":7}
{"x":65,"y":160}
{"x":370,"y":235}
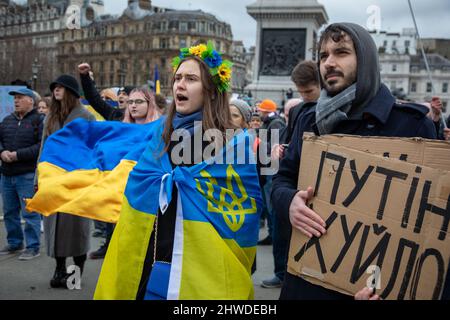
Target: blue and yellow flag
{"x":157,"y":81}
{"x":88,"y":106}
{"x":217,"y":222}
{"x":84,"y":168}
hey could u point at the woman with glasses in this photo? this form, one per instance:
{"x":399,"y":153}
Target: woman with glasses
{"x":141,"y":107}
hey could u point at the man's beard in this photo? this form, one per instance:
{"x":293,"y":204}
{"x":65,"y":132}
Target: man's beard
{"x":333,"y":91}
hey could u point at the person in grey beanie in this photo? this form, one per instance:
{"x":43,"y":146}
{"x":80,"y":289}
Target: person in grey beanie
{"x":240,"y":113}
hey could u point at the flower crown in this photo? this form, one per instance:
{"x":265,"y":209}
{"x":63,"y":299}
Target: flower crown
{"x":219,"y":69}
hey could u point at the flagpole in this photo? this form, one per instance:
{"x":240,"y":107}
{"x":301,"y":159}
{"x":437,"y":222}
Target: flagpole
{"x":427,"y":66}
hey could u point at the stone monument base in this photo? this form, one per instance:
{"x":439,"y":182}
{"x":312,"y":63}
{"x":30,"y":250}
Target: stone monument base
{"x":273,"y":88}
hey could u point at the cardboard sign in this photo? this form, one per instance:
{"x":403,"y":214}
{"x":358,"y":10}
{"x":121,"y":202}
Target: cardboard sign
{"x":387,"y":217}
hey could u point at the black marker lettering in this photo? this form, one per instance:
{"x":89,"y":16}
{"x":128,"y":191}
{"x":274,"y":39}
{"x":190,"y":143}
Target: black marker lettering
{"x":390,"y":174}
{"x":359,"y":182}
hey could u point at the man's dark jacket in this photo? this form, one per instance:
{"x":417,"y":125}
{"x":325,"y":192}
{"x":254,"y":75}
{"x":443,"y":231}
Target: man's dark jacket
{"x":24,"y":137}
{"x":383,"y":117}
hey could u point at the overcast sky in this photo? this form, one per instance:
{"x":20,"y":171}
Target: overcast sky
{"x":433,"y":16}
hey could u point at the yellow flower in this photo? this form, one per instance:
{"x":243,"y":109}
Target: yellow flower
{"x":198,"y":50}
{"x":224,"y":73}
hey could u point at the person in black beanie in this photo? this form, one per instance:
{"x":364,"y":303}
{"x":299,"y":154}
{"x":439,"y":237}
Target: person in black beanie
{"x":353,"y":101}
{"x":65,"y":235}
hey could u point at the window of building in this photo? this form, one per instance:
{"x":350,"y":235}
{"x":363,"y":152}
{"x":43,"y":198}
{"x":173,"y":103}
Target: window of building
{"x":444,"y":106}
{"x":445,"y":87}
{"x":113,"y":46}
{"x":123,"y":65}
{"x":413,"y":86}
{"x":183,"y":26}
{"x":111,"y":66}
{"x":407,"y":44}
{"x":111,"y":80}
{"x":183,"y":43}
{"x":163,"y":43}
{"x":163,"y":63}
{"x":102,"y":80}
{"x":429,"y":87}
{"x":394,"y":43}
{"x":385,"y":43}
{"x":394,"y":68}
{"x":102,"y":66}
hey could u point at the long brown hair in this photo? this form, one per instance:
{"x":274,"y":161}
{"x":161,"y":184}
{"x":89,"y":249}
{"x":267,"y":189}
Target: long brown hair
{"x":152,"y":110}
{"x":60,"y":110}
{"x":216,"y":108}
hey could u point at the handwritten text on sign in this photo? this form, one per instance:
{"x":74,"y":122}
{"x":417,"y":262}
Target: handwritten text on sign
{"x":379,"y":212}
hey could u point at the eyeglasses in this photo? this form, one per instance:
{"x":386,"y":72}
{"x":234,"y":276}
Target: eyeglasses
{"x":137,"y":101}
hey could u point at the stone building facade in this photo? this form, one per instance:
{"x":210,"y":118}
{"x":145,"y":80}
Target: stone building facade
{"x":29,"y":36}
{"x":124,"y":50}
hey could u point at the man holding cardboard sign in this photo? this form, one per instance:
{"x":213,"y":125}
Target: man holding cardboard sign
{"x":354,"y":102}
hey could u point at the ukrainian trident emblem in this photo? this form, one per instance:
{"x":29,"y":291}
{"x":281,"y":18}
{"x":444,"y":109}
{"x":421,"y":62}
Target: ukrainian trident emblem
{"x":232,"y":204}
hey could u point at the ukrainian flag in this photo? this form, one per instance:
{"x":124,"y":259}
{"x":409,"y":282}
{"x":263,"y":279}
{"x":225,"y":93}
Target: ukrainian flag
{"x":157,"y":81}
{"x":84,"y":168}
{"x":88,"y":106}
{"x":217,"y":222}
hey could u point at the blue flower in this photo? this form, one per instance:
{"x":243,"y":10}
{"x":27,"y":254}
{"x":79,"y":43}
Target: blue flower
{"x":214,"y":61}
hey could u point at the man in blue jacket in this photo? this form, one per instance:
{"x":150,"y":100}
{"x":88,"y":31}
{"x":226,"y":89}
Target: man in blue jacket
{"x":353,"y":101}
{"x":20,"y":140}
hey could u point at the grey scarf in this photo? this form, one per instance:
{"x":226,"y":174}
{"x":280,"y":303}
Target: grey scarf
{"x":330,"y":111}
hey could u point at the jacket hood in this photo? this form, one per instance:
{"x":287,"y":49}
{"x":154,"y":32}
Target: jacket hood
{"x":368,"y":80}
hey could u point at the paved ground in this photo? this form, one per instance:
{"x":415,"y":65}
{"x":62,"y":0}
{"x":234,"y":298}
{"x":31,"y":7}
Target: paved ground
{"x":29,"y":280}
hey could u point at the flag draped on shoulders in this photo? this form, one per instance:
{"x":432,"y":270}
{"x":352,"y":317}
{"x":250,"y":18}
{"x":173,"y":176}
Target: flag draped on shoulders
{"x":217,"y":216}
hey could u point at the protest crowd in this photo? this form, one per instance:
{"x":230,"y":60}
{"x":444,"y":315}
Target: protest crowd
{"x":124,"y":164}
